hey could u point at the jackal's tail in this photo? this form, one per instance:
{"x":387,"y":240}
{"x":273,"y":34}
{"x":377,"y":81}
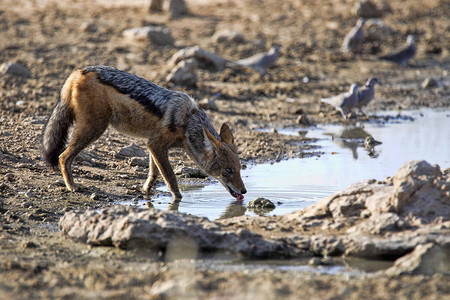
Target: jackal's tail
{"x":56,"y":131}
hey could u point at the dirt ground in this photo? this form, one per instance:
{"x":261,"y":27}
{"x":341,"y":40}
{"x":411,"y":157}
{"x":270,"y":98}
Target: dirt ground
{"x":50,"y":38}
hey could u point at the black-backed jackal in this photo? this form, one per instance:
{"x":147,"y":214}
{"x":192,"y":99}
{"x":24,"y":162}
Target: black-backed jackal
{"x":96,"y":96}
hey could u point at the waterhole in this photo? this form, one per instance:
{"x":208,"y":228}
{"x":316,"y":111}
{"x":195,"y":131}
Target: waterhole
{"x":294,"y":184}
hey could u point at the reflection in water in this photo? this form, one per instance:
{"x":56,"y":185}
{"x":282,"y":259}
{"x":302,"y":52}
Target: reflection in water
{"x":234,"y":209}
{"x":352,"y":137}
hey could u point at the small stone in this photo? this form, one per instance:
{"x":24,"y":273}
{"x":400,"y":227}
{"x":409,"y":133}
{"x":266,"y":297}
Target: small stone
{"x":175,"y":8}
{"x":94,"y":196}
{"x":136,"y":161}
{"x":227,"y":36}
{"x":15,"y":69}
{"x":430,"y":83}
{"x":303,"y":120}
{"x":299,"y":111}
{"x":132,"y":151}
{"x":88,"y":27}
{"x":261,"y":203}
{"x":154,"y":34}
{"x":29,"y":245}
{"x":10,"y":177}
{"x":184,"y":73}
{"x":367,"y":9}
{"x":208,"y":104}
{"x":190,"y":172}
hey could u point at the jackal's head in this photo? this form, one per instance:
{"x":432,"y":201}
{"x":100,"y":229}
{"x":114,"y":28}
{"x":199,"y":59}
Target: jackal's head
{"x":223,"y":161}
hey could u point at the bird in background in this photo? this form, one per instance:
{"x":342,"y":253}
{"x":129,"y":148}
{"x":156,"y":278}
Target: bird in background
{"x":344,"y":102}
{"x":403,"y":54}
{"x":261,"y":61}
{"x":354,"y":39}
{"x":366,"y":94}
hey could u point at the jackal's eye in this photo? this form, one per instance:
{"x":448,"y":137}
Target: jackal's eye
{"x":229,"y":170}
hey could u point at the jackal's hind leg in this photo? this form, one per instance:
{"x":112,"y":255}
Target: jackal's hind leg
{"x":81,"y":138}
{"x":152,"y":175}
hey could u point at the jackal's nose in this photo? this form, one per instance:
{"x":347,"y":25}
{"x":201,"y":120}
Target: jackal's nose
{"x":243,"y":191}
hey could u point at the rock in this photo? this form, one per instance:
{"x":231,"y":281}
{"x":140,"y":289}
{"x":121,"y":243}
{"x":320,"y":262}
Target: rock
{"x":190,"y":172}
{"x":132,"y":151}
{"x":430,"y":83}
{"x":29,"y":245}
{"x":227,"y":36}
{"x":208,"y":104}
{"x":88,"y":27}
{"x":426,"y":259}
{"x":260,"y":203}
{"x":135,"y":228}
{"x":175,"y":8}
{"x":184,"y":73}
{"x":135,"y":161}
{"x":367,"y":9}
{"x":409,"y":180}
{"x":205,"y":59}
{"x":304,"y":120}
{"x":363,"y":245}
{"x":383,"y":223}
{"x":157,"y":35}
{"x":15,"y":69}
{"x":155,"y":6}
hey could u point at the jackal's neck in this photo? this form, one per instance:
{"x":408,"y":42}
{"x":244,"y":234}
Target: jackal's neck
{"x":197,"y":145}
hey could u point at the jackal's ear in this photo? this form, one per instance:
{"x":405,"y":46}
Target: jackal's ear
{"x":226,"y":135}
{"x":215,"y":141}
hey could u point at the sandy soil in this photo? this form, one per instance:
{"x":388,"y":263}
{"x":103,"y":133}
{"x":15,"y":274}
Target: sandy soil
{"x":48,"y":37}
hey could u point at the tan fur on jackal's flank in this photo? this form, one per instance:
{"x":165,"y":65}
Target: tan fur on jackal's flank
{"x":165,"y":118}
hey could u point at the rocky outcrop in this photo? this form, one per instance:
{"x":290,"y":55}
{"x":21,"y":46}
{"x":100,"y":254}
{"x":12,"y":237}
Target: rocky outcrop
{"x":406,"y":217}
{"x":134,"y":228}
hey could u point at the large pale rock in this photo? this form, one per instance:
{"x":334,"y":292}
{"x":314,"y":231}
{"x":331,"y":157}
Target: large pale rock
{"x":418,"y":189}
{"x":132,"y":228}
{"x":412,"y":183}
{"x":204,"y":58}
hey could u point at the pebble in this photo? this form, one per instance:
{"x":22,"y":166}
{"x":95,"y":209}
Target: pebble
{"x":430,"y":83}
{"x":184,"y":73}
{"x":15,"y":69}
{"x":158,"y":35}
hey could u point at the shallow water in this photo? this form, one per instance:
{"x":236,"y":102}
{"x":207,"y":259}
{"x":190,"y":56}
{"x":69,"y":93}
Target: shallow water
{"x":297,"y":183}
{"x":347,"y":266}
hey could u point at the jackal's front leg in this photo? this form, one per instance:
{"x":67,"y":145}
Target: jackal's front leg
{"x":160,"y":157}
{"x":152,"y":175}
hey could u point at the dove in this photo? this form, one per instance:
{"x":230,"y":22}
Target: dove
{"x":366,"y":94}
{"x":261,"y":61}
{"x":354,"y":39}
{"x":402,"y":54}
{"x":344,"y":102}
